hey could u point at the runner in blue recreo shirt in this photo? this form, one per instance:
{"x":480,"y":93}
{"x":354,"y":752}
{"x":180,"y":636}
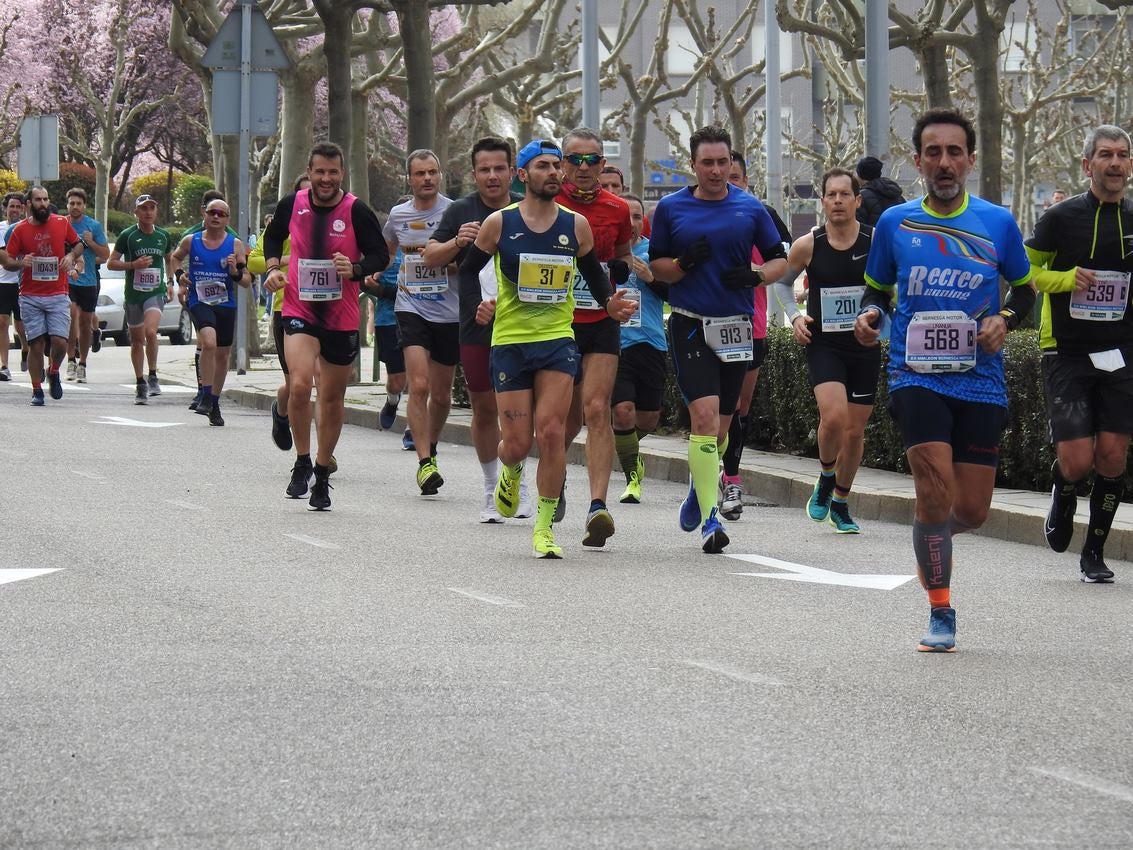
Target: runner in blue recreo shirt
{"x":701,"y":246}
{"x":943,"y":255}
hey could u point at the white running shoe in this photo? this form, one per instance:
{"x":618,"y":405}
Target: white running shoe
{"x":488,"y":513}
{"x":526,"y":501}
{"x":72,"y":367}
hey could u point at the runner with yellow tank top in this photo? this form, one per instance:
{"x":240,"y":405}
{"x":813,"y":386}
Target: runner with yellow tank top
{"x":537,"y":246}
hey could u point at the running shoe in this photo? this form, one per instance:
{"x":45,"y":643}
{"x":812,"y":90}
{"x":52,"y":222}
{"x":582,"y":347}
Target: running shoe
{"x":96,"y":340}
{"x":488,"y":513}
{"x":72,"y":368}
{"x":840,"y":518}
{"x":386,"y":416}
{"x":204,"y":405}
{"x":599,"y":527}
{"x":560,"y":508}
{"x":632,"y":493}
{"x":407,"y":441}
{"x":429,"y":478}
{"x":713,"y":538}
{"x":81,"y":374}
{"x":818,"y":505}
{"x":196,"y":402}
{"x":320,"y":493}
{"x":543,"y":542}
{"x":141,"y":393}
{"x":507,"y":492}
{"x":5,"y":374}
{"x":526,"y":501}
{"x":1094,"y":569}
{"x":332,"y":466}
{"x":154,"y":386}
{"x":731,"y":499}
{"x":55,"y":385}
{"x":1059,"y":525}
{"x":214,"y":415}
{"x":941,"y":634}
{"x":37,"y":398}
{"x":280,"y":429}
{"x":690,"y":510}
{"x":301,"y":474}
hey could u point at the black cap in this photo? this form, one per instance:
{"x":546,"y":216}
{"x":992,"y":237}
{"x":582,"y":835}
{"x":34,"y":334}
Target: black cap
{"x":869,"y":168}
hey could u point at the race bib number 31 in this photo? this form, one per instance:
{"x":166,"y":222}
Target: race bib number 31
{"x":729,"y":337}
{"x":544,"y":278}
{"x":318,"y":281}
{"x":1105,"y":300}
{"x":940,"y":342}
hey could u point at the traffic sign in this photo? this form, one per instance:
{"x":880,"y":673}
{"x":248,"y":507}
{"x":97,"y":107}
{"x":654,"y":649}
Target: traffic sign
{"x":39,"y":148}
{"x":224,"y":49}
{"x":263,"y":117}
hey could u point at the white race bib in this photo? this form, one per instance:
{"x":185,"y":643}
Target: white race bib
{"x":45,"y":268}
{"x":211,"y":291}
{"x":147,"y":279}
{"x":583,"y":298}
{"x":942,"y":341}
{"x":839,"y":305}
{"x":1105,"y":300}
{"x":544,"y":278}
{"x":489,"y":286}
{"x":633,"y":321}
{"x":730,"y":337}
{"x":419,"y":279}
{"x":318,"y":281}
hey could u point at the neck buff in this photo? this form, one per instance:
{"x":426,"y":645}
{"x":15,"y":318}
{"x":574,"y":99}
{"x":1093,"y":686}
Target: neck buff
{"x":576,"y":194}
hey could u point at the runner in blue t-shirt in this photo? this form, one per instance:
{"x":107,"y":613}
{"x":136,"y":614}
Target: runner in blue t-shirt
{"x":701,"y":246}
{"x":943,"y":255}
{"x":83,"y":287}
{"x":642,"y":367}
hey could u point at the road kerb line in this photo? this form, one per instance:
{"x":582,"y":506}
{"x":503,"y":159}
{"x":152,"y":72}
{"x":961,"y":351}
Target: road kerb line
{"x":486,"y":597}
{"x":312,"y":541}
{"x":1085,"y":780}
{"x":731,"y":672}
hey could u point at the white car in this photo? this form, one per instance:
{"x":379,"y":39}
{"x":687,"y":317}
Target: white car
{"x":111,"y":311}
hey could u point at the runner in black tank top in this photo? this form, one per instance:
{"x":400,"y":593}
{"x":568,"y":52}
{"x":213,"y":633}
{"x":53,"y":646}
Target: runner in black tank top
{"x":843,"y":373}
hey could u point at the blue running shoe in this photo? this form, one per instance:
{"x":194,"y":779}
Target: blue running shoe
{"x":841,"y":520}
{"x":818,"y":505}
{"x":690,"y":510}
{"x":56,"y":385}
{"x":407,"y":441}
{"x":941,"y":634}
{"x":713,"y":538}
{"x":37,"y":398}
{"x":387,"y":415}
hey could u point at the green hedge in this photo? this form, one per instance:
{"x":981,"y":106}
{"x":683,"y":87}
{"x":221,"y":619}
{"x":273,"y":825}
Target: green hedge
{"x":786,"y":417}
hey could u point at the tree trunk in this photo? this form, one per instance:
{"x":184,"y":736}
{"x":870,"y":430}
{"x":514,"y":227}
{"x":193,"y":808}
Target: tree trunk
{"x":296,"y":127}
{"x":416,"y":36}
{"x":985,"y":69}
{"x":359,"y":155}
{"x":639,"y":127}
{"x":336,"y":18}
{"x":936,"y":74}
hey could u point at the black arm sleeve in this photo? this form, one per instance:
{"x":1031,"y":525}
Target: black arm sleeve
{"x":1020,"y":301}
{"x":875,"y":297}
{"x":368,"y":231}
{"x":780,"y":225}
{"x":595,"y":278}
{"x":661,"y":290}
{"x":276,"y":232}
{"x":475,"y":259}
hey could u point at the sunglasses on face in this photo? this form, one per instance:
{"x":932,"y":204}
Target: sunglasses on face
{"x":217,"y":213}
{"x":583,"y":158}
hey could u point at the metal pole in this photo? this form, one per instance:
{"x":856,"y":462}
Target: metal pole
{"x":773,"y":98}
{"x":876,"y":78}
{"x":588,"y":55}
{"x":243,"y":302}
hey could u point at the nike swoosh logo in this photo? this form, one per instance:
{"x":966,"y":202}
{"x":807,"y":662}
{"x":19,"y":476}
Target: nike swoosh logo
{"x":859,"y":395}
{"x":859,"y":256}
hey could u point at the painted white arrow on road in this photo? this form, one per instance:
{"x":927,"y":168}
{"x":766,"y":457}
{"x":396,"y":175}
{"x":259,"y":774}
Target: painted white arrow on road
{"x":133,"y":423}
{"x":814,"y":575}
{"x":19,"y":575}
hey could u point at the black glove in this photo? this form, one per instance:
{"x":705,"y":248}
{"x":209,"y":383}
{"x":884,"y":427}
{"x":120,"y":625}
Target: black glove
{"x":741,"y":277}
{"x":695,"y":254}
{"x":619,"y":271}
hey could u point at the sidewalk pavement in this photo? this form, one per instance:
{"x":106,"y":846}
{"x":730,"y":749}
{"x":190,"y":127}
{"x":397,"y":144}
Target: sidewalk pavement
{"x":779,"y":479}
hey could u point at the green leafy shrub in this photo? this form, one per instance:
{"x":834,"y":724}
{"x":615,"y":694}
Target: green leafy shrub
{"x":187,"y":197}
{"x":117,"y":221}
{"x":10,"y":182}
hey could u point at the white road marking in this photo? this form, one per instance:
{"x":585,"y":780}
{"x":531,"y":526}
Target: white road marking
{"x":93,"y":476}
{"x":66,"y":387}
{"x":312,"y":541}
{"x":486,"y":597}
{"x":189,"y":506}
{"x":733,"y":672}
{"x":19,"y":575}
{"x":814,"y":575}
{"x":1094,"y":783}
{"x":173,"y":389}
{"x":132,"y":423}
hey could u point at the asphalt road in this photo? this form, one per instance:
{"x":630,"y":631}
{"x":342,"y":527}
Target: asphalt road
{"x":211,"y":665}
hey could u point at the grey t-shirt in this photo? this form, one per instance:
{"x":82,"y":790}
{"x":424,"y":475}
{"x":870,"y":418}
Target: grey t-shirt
{"x":410,"y":229}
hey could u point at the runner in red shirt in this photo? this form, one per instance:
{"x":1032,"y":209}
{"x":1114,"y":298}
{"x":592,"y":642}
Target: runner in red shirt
{"x":46,"y":248}
{"x":596,"y":333}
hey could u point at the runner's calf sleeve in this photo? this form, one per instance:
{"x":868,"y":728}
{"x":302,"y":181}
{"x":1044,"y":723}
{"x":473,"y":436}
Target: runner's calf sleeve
{"x":932,"y":544}
{"x":733,"y":452}
{"x":1103,"y":507}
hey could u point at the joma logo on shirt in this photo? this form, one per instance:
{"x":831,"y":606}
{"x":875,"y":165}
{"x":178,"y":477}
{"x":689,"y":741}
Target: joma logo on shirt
{"x":922,"y":276}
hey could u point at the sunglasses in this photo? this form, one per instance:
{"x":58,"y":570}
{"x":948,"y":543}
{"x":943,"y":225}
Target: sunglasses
{"x":584,"y":158}
{"x":217,"y":213}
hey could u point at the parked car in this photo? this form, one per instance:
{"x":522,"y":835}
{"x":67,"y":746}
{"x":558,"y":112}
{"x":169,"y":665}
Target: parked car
{"x":111,"y":311}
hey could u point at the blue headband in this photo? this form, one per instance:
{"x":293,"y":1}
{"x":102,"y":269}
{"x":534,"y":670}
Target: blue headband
{"x":535,"y":148}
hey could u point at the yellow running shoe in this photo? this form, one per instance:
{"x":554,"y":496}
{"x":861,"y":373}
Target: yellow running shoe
{"x":543,"y":541}
{"x":632,"y":494}
{"x":507,"y":491}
